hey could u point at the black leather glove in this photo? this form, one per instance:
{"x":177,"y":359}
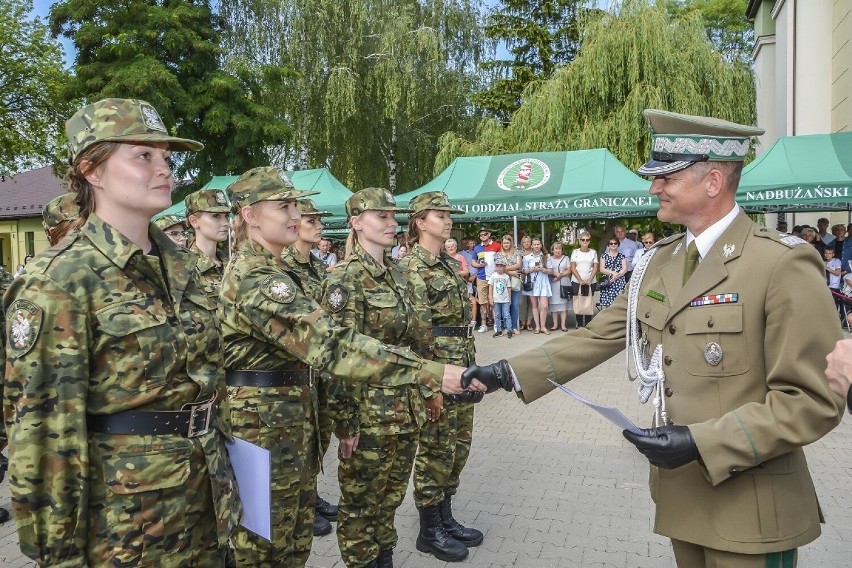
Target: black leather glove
{"x":466,"y":397}
{"x":668,"y":447}
{"x":495,"y":376}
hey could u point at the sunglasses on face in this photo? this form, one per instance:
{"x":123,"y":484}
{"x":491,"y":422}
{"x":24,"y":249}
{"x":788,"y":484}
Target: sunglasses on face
{"x":647,"y":242}
{"x":584,"y":240}
{"x":613,"y":244}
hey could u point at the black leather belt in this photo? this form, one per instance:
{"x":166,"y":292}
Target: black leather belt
{"x":194,"y":419}
{"x":453,"y":331}
{"x":294,"y":378}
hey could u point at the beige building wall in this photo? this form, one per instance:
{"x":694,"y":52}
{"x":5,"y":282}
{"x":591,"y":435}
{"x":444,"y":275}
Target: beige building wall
{"x":803,"y":72}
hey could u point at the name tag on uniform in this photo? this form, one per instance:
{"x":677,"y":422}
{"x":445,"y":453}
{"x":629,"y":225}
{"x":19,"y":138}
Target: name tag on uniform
{"x":731,"y":298}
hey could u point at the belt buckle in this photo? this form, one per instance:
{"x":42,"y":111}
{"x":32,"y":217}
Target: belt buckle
{"x":469,"y":334}
{"x":194,"y":412}
{"x":310,"y":377}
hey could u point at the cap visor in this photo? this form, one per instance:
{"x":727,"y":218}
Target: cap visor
{"x":175,"y":143}
{"x":289,"y":194}
{"x":217,"y":209}
{"x":657,"y":168}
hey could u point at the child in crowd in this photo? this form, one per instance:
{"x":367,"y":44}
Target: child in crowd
{"x":833,"y":269}
{"x":500,"y":297}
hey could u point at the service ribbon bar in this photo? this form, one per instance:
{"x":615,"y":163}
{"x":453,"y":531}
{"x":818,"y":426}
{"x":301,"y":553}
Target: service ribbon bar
{"x":715,"y":299}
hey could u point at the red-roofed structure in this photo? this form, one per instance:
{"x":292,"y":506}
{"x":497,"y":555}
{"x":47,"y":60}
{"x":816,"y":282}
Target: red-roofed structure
{"x":22,"y":198}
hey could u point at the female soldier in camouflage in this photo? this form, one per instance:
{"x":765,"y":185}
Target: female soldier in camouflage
{"x":174,"y":227}
{"x":114,"y":370}
{"x":377,"y":426}
{"x":60,"y":216}
{"x":311,"y":272}
{"x":440,"y":295}
{"x":276,"y":339}
{"x":207,"y":214}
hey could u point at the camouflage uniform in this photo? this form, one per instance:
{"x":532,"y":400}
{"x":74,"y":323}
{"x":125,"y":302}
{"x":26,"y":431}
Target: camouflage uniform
{"x":209,"y":273}
{"x":440,"y":295}
{"x":96,"y":327}
{"x":167,"y":221}
{"x":60,"y":209}
{"x":370,"y":297}
{"x":269,"y":323}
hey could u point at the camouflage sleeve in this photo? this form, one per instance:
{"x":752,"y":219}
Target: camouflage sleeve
{"x":344,"y":396}
{"x":44,"y":405}
{"x":274,"y":307}
{"x":423,"y":342}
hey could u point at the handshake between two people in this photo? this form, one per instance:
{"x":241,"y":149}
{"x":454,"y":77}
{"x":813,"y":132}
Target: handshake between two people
{"x":667,"y":447}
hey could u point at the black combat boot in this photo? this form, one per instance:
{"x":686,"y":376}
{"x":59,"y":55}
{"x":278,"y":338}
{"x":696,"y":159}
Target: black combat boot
{"x":321,"y":526}
{"x":435,"y":540}
{"x":325,"y":509}
{"x":385,"y":559}
{"x":466,"y":536}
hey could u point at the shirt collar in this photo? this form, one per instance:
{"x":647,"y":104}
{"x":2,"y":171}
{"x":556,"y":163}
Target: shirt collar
{"x":115,"y":246}
{"x":711,"y":234}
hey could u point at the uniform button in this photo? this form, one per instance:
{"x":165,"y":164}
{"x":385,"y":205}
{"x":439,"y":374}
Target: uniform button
{"x":668,"y":392}
{"x":672,"y":329}
{"x":710,"y":323}
{"x":734,"y":470}
{"x":667,"y":360}
{"x":647,"y":315}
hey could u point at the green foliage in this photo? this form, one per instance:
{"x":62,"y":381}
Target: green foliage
{"x":377,"y":83}
{"x":727,"y":24}
{"x":540,"y":35}
{"x":168,"y":53}
{"x":635,"y":59}
{"x":31,"y":76}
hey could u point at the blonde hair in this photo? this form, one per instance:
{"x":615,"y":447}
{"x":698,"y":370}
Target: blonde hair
{"x":240,"y":229}
{"x":351,"y":240}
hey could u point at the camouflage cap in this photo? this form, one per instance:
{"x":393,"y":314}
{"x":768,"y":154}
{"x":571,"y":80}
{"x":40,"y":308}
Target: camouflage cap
{"x":432,"y":200}
{"x":61,"y":208}
{"x":208,"y":200}
{"x":681,"y":140}
{"x":119,"y":120}
{"x":167,"y":221}
{"x":264,"y":184}
{"x":308,"y":207}
{"x":372,"y":199}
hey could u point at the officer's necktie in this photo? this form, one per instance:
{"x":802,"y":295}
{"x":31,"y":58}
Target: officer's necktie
{"x":691,"y":260}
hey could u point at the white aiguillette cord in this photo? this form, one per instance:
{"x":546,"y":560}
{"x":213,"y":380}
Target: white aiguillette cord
{"x":649,"y":370}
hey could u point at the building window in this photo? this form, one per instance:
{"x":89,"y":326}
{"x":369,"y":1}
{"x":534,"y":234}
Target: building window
{"x":29,"y":237}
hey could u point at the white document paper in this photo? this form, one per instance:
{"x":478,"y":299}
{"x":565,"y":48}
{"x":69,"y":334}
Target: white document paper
{"x":614,"y":415}
{"x":253,"y":469}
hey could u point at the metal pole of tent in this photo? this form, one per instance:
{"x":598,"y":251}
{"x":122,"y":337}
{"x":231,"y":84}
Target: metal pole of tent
{"x":515,"y":228}
{"x":542,"y":233}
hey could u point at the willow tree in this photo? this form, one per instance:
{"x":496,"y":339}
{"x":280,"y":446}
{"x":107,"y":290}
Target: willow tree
{"x":635,"y":58}
{"x":376,"y":84}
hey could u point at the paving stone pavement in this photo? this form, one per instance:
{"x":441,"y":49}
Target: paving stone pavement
{"x":552,"y":485}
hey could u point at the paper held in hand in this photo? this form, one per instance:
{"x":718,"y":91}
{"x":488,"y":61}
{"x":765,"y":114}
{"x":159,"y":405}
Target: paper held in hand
{"x":614,"y":415}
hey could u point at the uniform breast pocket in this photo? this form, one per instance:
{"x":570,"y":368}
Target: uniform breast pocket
{"x":148,"y":505}
{"x":385,"y":318}
{"x":715,"y":336}
{"x":135,"y":347}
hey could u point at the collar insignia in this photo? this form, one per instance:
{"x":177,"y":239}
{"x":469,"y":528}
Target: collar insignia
{"x":728,"y":250}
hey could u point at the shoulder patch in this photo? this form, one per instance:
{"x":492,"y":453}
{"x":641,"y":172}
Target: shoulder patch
{"x":24,"y":323}
{"x":336,"y":297}
{"x":278,"y":289}
{"x":792,"y":240}
{"x":783,"y":238}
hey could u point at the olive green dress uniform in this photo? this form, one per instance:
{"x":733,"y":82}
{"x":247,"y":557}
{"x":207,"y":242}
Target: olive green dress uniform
{"x":440,"y":294}
{"x":372,"y":299}
{"x":744,"y":341}
{"x":270,"y":324}
{"x":96,"y":328}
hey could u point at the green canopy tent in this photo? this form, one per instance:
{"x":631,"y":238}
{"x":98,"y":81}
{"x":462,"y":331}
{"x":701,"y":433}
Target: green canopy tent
{"x":544,"y":185}
{"x":332,"y":194}
{"x":800,"y":173}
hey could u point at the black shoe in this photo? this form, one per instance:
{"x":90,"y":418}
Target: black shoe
{"x":433,"y":538}
{"x":385,"y":559}
{"x":321,"y":526}
{"x":4,"y":515}
{"x":510,"y":334}
{"x":466,"y":536}
{"x":325,"y":509}
{"x":499,"y":334}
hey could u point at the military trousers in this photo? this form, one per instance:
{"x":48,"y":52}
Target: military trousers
{"x":372,"y":486}
{"x":444,"y":446}
{"x":287,"y":428}
{"x":689,"y":555}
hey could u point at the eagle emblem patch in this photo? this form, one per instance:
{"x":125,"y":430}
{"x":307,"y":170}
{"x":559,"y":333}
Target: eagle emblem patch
{"x":278,"y":290}
{"x":23,"y":323}
{"x":336,"y":297}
